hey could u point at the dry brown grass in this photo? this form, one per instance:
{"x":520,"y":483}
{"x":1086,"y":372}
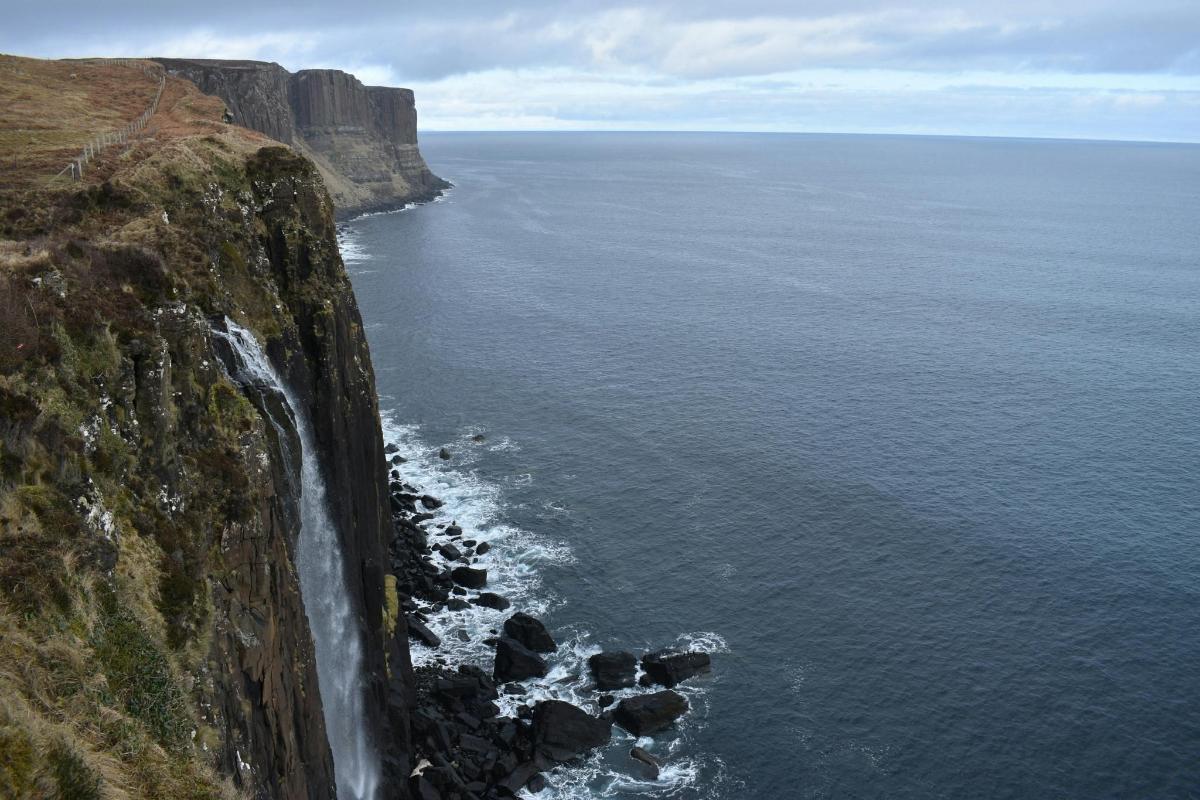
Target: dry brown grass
{"x":53,"y":108}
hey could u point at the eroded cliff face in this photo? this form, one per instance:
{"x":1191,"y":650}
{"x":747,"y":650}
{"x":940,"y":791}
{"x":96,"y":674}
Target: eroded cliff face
{"x":153,"y":642}
{"x":362,"y":138}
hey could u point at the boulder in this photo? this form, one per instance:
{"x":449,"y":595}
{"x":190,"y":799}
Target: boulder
{"x":613,"y":670}
{"x":418,"y":631}
{"x":562,"y":731}
{"x":449,"y":551}
{"x":530,"y":632}
{"x":650,"y":713}
{"x":482,"y":548}
{"x":444,"y":454}
{"x":515,"y":662}
{"x":469,"y":576}
{"x":491,"y":600}
{"x":638,"y":754}
{"x":670,"y":668}
{"x":429,"y":501}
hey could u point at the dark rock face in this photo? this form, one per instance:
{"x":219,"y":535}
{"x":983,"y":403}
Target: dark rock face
{"x":362,"y":138}
{"x":530,"y":632}
{"x":614,"y":670}
{"x":561,"y":731}
{"x":515,"y":662}
{"x":650,"y":713}
{"x":669,"y":668}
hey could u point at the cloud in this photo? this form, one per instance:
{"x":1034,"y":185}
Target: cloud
{"x":947,"y":65}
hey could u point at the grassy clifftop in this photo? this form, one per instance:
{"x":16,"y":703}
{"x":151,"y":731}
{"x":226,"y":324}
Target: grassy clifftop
{"x":152,"y":642}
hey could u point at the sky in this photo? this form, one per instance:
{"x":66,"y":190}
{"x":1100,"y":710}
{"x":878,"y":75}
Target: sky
{"x":1094,"y":69}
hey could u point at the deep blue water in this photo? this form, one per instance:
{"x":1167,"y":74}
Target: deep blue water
{"x":911,"y":424}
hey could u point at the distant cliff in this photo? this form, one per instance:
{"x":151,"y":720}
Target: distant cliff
{"x":363,"y":139}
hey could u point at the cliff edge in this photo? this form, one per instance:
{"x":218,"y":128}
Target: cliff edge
{"x":363,"y":139}
{"x":153,"y":642}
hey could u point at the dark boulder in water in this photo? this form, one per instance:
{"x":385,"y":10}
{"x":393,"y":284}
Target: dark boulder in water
{"x":482,"y":548}
{"x":449,"y":551}
{"x":562,"y":731}
{"x":391,"y":448}
{"x":638,"y":754}
{"x":418,"y":631}
{"x":614,"y":670}
{"x":516,"y":662}
{"x":444,"y":454}
{"x":650,"y":713}
{"x":670,"y":668}
{"x":469,"y":576}
{"x":429,"y":501}
{"x":453,"y":530}
{"x":605,"y":700}
{"x":398,"y":460}
{"x":457,"y":604}
{"x":530,"y":632}
{"x":491,"y":600}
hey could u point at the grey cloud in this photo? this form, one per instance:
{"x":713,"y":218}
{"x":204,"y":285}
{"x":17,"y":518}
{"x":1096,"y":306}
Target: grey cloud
{"x":427,"y":40}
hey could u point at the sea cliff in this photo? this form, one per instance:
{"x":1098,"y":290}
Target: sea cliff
{"x":152,"y":637}
{"x":363,"y":139}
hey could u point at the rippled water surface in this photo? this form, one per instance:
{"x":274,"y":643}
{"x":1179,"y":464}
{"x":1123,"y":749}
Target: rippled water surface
{"x":905,"y":430}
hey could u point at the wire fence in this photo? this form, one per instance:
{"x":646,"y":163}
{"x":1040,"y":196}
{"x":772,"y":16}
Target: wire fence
{"x":74,"y":168}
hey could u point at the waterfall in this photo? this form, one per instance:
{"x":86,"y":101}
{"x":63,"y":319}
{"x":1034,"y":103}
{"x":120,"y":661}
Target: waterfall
{"x":327,"y":604}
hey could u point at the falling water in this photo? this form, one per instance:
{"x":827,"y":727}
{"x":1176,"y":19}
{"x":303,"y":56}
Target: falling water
{"x":323,"y":589}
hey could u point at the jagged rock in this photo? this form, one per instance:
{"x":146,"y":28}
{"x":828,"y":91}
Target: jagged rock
{"x":536,"y":784}
{"x":638,"y":754}
{"x":562,"y":731}
{"x":515,"y":662}
{"x":530,"y":632}
{"x":429,"y":501}
{"x":613,"y":670}
{"x":650,"y":713}
{"x":669,"y":668}
{"x":605,"y":700}
{"x":444,"y":454}
{"x":479,"y":438}
{"x":453,"y":530}
{"x":449,"y":551}
{"x":470,"y":577}
{"x":491,"y":600}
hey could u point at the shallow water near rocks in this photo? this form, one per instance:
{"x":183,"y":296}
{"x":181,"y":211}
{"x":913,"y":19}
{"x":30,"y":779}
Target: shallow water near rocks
{"x":902,"y":429}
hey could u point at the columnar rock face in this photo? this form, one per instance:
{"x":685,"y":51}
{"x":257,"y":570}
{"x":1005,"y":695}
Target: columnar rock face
{"x":362,"y":138}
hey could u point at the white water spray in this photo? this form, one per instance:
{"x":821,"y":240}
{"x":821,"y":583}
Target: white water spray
{"x":323,"y":589}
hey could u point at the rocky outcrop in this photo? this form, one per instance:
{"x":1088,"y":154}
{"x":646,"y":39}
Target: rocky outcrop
{"x":362,"y":138}
{"x":152,"y":638}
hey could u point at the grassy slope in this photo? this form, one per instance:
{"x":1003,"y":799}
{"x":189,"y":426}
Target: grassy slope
{"x":105,"y":614}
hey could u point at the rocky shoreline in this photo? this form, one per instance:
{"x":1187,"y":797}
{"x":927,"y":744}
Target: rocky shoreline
{"x":463,"y":746}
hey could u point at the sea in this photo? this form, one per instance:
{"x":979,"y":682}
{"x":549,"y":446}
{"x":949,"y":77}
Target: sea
{"x":904,"y":431}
